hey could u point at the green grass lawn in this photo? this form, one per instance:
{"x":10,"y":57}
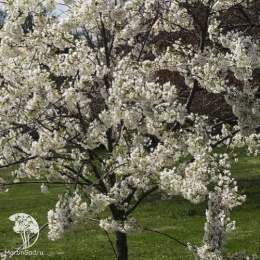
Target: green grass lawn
{"x":175,"y":217}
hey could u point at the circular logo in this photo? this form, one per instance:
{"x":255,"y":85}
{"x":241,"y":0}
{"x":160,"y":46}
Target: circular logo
{"x":27,"y":227}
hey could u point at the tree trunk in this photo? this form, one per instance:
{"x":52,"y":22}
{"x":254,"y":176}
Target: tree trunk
{"x":121,"y":246}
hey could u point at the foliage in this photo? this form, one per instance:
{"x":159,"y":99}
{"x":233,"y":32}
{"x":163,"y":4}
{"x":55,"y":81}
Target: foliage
{"x":114,"y":53}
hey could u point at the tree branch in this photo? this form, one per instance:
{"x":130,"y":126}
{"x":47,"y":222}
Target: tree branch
{"x":144,"y":195}
{"x":166,"y":235}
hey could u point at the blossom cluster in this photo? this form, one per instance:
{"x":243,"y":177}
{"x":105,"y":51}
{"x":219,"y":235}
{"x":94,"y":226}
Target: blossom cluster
{"x":68,"y":210}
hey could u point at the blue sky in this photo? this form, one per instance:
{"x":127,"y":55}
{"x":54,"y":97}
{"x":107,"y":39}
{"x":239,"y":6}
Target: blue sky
{"x":61,"y":8}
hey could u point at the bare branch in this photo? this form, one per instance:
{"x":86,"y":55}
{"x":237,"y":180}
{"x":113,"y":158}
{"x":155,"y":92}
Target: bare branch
{"x":166,"y":235}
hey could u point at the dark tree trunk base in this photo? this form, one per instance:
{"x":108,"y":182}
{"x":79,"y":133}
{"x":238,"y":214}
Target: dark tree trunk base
{"x":121,"y":246}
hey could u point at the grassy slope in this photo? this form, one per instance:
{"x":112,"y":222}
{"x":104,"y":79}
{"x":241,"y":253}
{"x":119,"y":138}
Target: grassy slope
{"x":175,"y":217}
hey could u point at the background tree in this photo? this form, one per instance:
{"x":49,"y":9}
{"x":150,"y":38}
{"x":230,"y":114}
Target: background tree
{"x":148,"y":64}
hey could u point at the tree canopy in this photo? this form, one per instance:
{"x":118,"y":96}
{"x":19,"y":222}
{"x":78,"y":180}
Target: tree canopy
{"x":117,"y":100}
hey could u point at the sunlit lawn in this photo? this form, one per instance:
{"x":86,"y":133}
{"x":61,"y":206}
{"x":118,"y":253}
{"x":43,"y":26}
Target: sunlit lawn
{"x":175,"y":217}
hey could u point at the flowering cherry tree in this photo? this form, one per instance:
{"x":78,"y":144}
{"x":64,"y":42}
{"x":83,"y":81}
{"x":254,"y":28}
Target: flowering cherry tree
{"x":95,"y":78}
